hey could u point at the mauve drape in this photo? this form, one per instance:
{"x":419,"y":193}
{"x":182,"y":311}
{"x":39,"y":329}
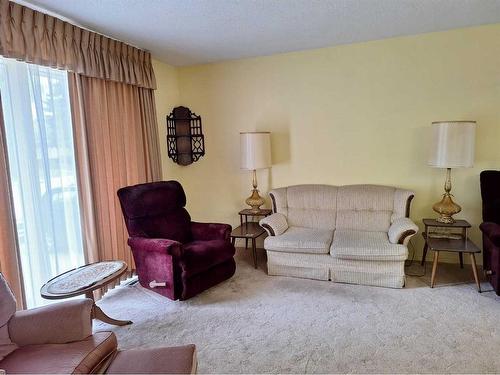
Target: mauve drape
{"x":9,"y":260}
{"x":114,"y":120}
{"x":117,"y":145}
{"x":38,"y":38}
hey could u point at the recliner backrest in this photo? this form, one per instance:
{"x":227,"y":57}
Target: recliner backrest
{"x":156,"y":210}
{"x":490,"y":194}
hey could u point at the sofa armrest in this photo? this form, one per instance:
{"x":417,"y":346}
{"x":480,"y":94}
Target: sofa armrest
{"x":210,"y":231}
{"x":275,"y":224}
{"x":492,"y":231}
{"x":401,"y":230}
{"x":58,"y":323}
{"x":161,"y":245}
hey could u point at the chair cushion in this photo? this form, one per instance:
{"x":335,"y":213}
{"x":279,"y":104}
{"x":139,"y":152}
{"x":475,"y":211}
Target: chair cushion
{"x":167,"y":360}
{"x":174,"y":225}
{"x":301,"y":240}
{"x":199,"y":256}
{"x":7,"y":310}
{"x":361,"y":245}
{"x":80,"y":357}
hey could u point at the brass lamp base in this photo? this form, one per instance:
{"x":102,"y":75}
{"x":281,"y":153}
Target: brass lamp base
{"x":446,"y":208}
{"x":255,"y":200}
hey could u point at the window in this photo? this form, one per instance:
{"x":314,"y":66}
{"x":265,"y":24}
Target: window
{"x":40,"y":148}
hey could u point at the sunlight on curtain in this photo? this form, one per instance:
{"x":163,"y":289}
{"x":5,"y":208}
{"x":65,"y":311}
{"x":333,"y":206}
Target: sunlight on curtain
{"x":41,"y":155}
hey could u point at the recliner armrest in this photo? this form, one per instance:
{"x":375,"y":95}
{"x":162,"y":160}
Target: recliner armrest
{"x":210,"y":231}
{"x":492,"y":231}
{"x":401,"y":230}
{"x":58,"y":323}
{"x":275,"y":224}
{"x":141,"y":244}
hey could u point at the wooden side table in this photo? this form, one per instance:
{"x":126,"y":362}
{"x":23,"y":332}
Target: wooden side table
{"x":248,"y":213}
{"x":250,"y":229}
{"x":430,"y":224}
{"x":459,"y":245}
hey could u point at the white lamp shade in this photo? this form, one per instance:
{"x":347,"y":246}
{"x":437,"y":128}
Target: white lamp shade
{"x":255,"y":150}
{"x":452,"y":144}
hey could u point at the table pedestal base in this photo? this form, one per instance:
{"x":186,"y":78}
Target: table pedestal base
{"x":98,"y":314}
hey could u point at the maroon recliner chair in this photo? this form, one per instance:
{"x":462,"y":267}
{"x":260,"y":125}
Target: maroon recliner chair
{"x":174,"y":256}
{"x":490,"y":193}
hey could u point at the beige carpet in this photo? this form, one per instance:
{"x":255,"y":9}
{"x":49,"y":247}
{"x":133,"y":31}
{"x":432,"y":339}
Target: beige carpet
{"x":254,"y":323}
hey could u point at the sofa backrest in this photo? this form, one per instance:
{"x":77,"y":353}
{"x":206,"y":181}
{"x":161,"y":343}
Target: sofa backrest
{"x":365,"y":207}
{"x":358,"y":207}
{"x":310,"y":206}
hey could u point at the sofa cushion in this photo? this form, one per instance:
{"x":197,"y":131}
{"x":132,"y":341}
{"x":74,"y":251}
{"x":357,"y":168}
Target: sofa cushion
{"x":362,"y":245}
{"x":199,"y":256}
{"x":80,"y":357}
{"x":7,"y":310}
{"x":166,"y":360}
{"x":312,"y":206}
{"x":365,"y":207}
{"x":301,"y":240}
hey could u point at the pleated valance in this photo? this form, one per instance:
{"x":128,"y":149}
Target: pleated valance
{"x":38,"y":38}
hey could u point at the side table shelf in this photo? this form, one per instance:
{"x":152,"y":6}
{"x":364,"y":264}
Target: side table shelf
{"x":250,"y":230}
{"x":461,"y":244}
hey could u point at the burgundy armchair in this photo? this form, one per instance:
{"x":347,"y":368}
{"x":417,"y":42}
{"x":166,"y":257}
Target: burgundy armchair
{"x":174,"y":256}
{"x":490,"y":193}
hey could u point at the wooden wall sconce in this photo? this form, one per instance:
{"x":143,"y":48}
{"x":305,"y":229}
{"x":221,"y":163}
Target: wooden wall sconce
{"x":185,"y":140}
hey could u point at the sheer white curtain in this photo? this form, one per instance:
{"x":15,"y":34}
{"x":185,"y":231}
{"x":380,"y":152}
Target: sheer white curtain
{"x":39,"y":139}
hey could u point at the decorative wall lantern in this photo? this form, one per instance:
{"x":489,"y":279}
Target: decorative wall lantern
{"x":185,"y":140}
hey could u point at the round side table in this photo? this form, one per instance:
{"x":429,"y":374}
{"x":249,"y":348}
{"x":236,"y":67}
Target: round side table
{"x":84,"y":280}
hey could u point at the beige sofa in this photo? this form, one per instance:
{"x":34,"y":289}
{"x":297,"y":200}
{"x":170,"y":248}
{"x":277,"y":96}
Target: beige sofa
{"x":352,"y":234}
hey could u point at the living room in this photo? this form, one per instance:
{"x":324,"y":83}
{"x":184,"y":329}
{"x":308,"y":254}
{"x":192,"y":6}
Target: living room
{"x":329,"y":106}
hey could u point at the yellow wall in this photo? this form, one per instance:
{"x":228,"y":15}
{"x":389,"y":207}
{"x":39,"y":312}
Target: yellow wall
{"x":349,"y":114}
{"x":166,"y":97}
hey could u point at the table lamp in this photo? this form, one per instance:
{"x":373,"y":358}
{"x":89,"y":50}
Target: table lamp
{"x":452,"y":146}
{"x":255,"y":154}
